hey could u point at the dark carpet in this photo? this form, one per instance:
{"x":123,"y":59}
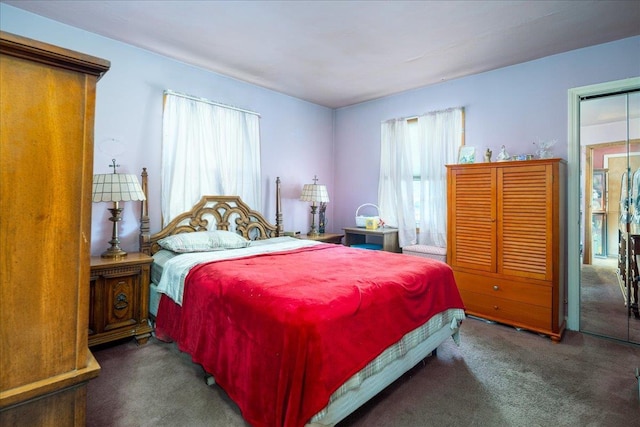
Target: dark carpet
{"x":498,"y":376}
{"x":603,"y":310}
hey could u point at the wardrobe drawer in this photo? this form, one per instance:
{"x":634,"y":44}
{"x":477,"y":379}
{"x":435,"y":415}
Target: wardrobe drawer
{"x":506,"y":311}
{"x":507,"y":289}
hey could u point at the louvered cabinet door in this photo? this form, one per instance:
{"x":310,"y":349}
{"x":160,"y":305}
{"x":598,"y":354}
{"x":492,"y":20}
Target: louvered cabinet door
{"x":525,"y":221}
{"x":472,"y":218}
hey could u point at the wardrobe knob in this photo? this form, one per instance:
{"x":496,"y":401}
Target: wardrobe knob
{"x":496,"y":287}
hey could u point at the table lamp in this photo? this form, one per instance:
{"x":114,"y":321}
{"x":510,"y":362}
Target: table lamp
{"x":116,"y":187}
{"x":314,"y":193}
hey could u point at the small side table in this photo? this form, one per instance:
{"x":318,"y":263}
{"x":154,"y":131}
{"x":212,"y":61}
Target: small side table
{"x":119,"y":299}
{"x":388,"y":235}
{"x":325,"y":237}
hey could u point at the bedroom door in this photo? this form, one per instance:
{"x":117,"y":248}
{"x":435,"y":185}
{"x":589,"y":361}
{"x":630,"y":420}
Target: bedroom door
{"x":610,"y":134}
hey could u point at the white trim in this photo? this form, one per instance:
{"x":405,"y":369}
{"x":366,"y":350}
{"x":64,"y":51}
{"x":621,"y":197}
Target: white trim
{"x":573,"y":193}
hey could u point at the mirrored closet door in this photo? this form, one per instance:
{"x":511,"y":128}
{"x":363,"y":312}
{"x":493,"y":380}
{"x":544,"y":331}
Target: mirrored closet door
{"x":610,"y":219}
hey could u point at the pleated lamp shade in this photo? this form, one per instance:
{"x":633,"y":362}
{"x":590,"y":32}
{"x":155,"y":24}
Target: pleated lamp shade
{"x":314,"y":193}
{"x":116,"y":187}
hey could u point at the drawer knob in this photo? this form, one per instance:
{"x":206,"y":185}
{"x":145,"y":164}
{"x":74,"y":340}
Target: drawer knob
{"x":495,"y":307}
{"x":496,"y":287}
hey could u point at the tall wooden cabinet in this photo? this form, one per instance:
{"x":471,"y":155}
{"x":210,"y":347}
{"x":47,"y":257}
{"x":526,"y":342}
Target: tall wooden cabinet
{"x":506,"y":241}
{"x":46,"y":158}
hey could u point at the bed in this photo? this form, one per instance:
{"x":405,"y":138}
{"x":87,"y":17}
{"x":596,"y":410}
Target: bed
{"x":296,"y":332}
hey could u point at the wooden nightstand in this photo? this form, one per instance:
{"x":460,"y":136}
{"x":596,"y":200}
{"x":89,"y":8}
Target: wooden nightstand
{"x":325,"y":237}
{"x":119,"y":299}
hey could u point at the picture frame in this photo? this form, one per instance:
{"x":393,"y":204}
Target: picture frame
{"x":466,"y":154}
{"x":599,"y":190}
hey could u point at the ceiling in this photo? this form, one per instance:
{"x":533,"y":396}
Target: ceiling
{"x":339,"y":53}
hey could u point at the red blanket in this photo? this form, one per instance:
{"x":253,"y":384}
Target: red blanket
{"x":281,"y":332}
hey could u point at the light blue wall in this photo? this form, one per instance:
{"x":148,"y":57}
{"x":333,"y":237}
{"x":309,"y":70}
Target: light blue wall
{"x":296,"y":136}
{"x":511,"y":106}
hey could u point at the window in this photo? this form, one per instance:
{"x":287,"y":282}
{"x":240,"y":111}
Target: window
{"x":207,"y":148}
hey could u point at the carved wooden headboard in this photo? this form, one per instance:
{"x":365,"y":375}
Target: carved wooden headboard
{"x":228,"y":213}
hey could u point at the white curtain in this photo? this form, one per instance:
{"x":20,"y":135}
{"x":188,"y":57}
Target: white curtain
{"x":440,"y":136}
{"x":423,"y":152}
{"x":395,"y":188}
{"x":207,"y":149}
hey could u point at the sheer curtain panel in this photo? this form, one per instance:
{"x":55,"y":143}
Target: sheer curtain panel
{"x":207,"y":149}
{"x":440,"y":136}
{"x":395,"y":188}
{"x":412,"y":191}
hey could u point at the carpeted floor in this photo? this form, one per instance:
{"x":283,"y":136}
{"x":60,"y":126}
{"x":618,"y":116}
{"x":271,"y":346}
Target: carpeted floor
{"x":498,"y":376}
{"x":602,"y":310}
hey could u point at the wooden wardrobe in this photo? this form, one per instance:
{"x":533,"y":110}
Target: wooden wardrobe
{"x":46,"y":161}
{"x":506,"y":241}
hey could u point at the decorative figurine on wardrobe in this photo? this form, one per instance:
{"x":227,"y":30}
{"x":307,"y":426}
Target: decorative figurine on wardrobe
{"x":503,"y":155}
{"x":487,"y":155}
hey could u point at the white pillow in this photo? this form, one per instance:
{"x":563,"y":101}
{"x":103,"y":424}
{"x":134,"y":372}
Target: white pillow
{"x":203,"y":241}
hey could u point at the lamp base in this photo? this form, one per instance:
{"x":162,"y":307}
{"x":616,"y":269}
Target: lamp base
{"x":313,"y":231}
{"x":114,"y":252}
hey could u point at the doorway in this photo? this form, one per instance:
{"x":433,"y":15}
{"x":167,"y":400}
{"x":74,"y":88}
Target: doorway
{"x":609,"y":146}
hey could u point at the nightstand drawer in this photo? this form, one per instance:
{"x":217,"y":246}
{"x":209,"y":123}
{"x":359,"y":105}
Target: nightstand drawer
{"x":119,"y":299}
